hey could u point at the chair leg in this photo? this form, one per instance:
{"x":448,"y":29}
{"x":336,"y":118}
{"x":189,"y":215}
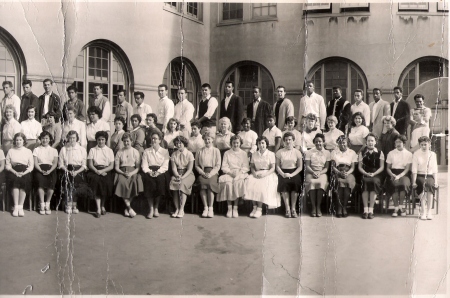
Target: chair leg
{"x":3,"y":197}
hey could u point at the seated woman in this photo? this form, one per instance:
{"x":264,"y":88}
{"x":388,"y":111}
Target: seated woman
{"x":19,"y":164}
{"x":310,"y":132}
{"x":332,"y":134}
{"x":183,"y":177}
{"x":357,"y":132}
{"x":386,"y":143}
{"x":196,"y":142}
{"x":137,"y":133}
{"x":273,"y":134}
{"x":371,"y":166}
{"x":419,"y":129}
{"x":100,"y":162}
{"x":262,"y":184}
{"x":398,"y":163}
{"x":72,"y":123}
{"x":343,"y":160}
{"x":10,"y":127}
{"x":235,"y":168}
{"x":291,"y":123}
{"x":173,"y":131}
{"x":223,"y":136}
{"x":116,"y":138}
{"x":424,"y":171}
{"x":127,"y":183}
{"x":207,"y":164}
{"x":54,"y":128}
{"x":248,"y":137}
{"x":45,"y":163}
{"x":316,"y":182}
{"x":289,"y":165}
{"x":97,"y":124}
{"x":155,"y":163}
{"x":72,"y":163}
{"x":31,"y":128}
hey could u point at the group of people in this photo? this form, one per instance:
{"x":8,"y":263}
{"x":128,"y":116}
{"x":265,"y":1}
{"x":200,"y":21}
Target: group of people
{"x":263,"y":157}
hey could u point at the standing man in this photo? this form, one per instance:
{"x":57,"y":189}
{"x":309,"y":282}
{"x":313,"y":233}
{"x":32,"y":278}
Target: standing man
{"x":141,"y":108}
{"x":28,"y":99}
{"x":339,"y":108}
{"x":258,"y":111}
{"x":10,"y":99}
{"x":426,"y":112}
{"x":283,"y":108}
{"x":184,"y":112}
{"x":232,"y":106}
{"x":207,"y":110}
{"x":378,"y":109}
{"x":400,"y":110}
{"x":101,"y":102}
{"x":49,"y":102}
{"x":76,"y":103}
{"x":361,"y":106}
{"x":124,"y":109}
{"x":165,"y":108}
{"x":312,"y":103}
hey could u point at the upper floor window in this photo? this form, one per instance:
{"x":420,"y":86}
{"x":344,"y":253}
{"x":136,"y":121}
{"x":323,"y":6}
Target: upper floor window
{"x":442,"y":6}
{"x":264,"y":9}
{"x":8,"y":70}
{"x":413,"y":6}
{"x":316,"y":8}
{"x":351,"y":7}
{"x":232,"y":11}
{"x":247,"y":12}
{"x":192,"y":10}
{"x":12,"y":61}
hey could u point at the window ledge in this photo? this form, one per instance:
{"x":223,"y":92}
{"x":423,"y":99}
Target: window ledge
{"x":341,"y":14}
{"x":422,"y":13}
{"x":239,"y":22}
{"x":186,"y":16}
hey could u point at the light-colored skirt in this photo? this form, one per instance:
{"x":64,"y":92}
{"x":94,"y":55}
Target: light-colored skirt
{"x":231,"y":188}
{"x":128,"y":187}
{"x":185,"y":185}
{"x":319,"y":183}
{"x":263,"y":190}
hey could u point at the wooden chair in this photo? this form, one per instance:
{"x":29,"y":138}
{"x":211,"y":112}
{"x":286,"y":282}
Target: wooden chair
{"x":413,"y":200}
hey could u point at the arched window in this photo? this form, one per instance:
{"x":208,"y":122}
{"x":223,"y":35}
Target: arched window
{"x":104,"y":63}
{"x":181,"y":72}
{"x":336,"y":71}
{"x":247,"y":74}
{"x":12,"y":61}
{"x":420,"y":71}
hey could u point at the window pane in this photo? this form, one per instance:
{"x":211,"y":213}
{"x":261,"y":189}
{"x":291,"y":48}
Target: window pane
{"x":232,"y":11}
{"x":248,"y":76}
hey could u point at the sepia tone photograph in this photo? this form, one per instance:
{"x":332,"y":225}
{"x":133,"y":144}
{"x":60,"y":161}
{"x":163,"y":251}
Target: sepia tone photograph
{"x":224,"y":148}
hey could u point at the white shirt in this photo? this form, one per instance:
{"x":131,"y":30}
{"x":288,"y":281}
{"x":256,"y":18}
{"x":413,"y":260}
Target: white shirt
{"x":314,"y":104}
{"x":20,"y":155}
{"x":255,"y":107}
{"x":364,"y":109}
{"x":45,"y":155}
{"x":101,"y":156}
{"x":346,"y":158}
{"x":92,"y":128}
{"x":184,"y":112}
{"x":142,"y":110}
{"x":395,"y":106}
{"x":399,"y":159}
{"x":46,"y":101}
{"x":249,"y":139}
{"x":196,"y":143}
{"x":423,"y":162}
{"x":358,"y":135}
{"x":227,"y":101}
{"x":106,"y":112}
{"x":31,"y":129}
{"x":288,"y":158}
{"x":152,"y":157}
{"x":72,"y":156}
{"x":13,"y":100}
{"x":165,"y":111}
{"x":212,"y":106}
{"x":271,"y":134}
{"x":77,"y":126}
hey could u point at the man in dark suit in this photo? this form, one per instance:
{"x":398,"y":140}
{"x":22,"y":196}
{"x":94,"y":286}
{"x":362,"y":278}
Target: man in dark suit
{"x":49,"y":102}
{"x":28,"y":99}
{"x":258,"y":111}
{"x":400,"y":110}
{"x":232,"y":106}
{"x":340,"y":108}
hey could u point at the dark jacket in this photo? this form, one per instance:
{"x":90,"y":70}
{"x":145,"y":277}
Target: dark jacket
{"x":343,"y":112}
{"x":260,"y":124}
{"x":401,"y":116}
{"x":28,"y":100}
{"x":54,"y":105}
{"x":235,"y":111}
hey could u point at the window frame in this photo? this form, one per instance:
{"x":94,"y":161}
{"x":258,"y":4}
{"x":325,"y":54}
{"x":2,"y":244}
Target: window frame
{"x":247,"y":15}
{"x":402,"y":7}
{"x":313,"y":8}
{"x":354,"y":7}
{"x":181,"y":9}
{"x":18,"y":58}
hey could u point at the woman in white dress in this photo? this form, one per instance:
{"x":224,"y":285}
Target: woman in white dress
{"x":262,"y":184}
{"x":357,"y":132}
{"x":223,"y":135}
{"x":310,"y":132}
{"x":248,"y":137}
{"x":291,"y":124}
{"x":332,"y":134}
{"x":235,"y":168}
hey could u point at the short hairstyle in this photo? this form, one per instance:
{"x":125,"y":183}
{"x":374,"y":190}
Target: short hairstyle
{"x":360,"y":115}
{"x":122,"y":90}
{"x":148,"y":137}
{"x":141,"y":94}
{"x":180,"y":139}
{"x":27,"y":82}
{"x":9,"y":107}
{"x":390,"y":119}
{"x":173,"y":120}
{"x":245,"y":120}
{"x":72,"y":87}
{"x":311,"y":116}
{"x":152,"y":115}
{"x":342,"y":138}
{"x":270,"y":116}
{"x":136,"y":116}
{"x":206,"y":85}
{"x":424,"y":139}
{"x":227,"y":121}
{"x":371,"y":134}
{"x":31,"y":107}
{"x":46,"y":134}
{"x":100,"y":134}
{"x":290,"y":119}
{"x":22,"y":135}
{"x":236,"y":137}
{"x":229,"y":82}
{"x":52,"y":114}
{"x":256,"y":87}
{"x":207,"y":134}
{"x":281,"y":87}
{"x":72,"y":133}
{"x":398,"y":88}
{"x":71,"y":108}
{"x":196,"y":123}
{"x":262,"y":138}
{"x":182,"y":88}
{"x":126,"y":135}
{"x":7,"y":83}
{"x":163,"y":86}
{"x":376,"y":89}
{"x":95,"y":110}
{"x":319,"y":135}
{"x":309,"y":82}
{"x":98,"y":85}
{"x":47,"y":80}
{"x":419,"y":96}
{"x":401,"y":138}
{"x":337,"y":88}
{"x":288,"y":134}
{"x":359,"y":90}
{"x":333,"y":118}
{"x":119,"y":118}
